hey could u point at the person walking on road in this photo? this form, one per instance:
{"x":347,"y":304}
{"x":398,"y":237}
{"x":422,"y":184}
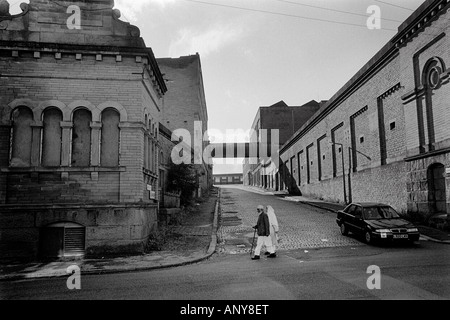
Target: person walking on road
{"x":273,"y":222}
{"x":263,"y":229}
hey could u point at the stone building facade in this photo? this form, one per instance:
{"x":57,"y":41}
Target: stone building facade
{"x":286,"y":120}
{"x":387,"y":129}
{"x":185,"y":108}
{"x":80,"y":103}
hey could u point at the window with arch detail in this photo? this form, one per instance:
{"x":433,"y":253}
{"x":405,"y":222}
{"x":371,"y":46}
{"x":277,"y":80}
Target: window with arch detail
{"x":431,"y":77}
{"x":109,"y":156}
{"x":431,"y":80}
{"x":51,"y":137}
{"x":22,"y":136}
{"x":81,"y":138}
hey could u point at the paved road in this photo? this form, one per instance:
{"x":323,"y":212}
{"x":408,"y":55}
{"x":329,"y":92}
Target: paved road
{"x":334,"y":269}
{"x":419,"y":272}
{"x":301,"y":225}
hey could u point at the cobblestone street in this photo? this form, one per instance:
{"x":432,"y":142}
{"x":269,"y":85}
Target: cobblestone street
{"x":301,"y":226}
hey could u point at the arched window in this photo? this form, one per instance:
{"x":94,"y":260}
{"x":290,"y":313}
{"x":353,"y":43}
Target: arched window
{"x":22,"y":118}
{"x":109,"y":156}
{"x":51,"y":140}
{"x":431,"y":79}
{"x":431,"y":76}
{"x":81,"y":138}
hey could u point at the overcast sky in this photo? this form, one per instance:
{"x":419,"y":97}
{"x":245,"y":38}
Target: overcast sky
{"x":258,"y":52}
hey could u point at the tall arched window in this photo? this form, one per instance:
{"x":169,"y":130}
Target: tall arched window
{"x":109,"y":156}
{"x":51,"y":140}
{"x":22,"y":135}
{"x":81,"y":138}
{"x":431,"y":80}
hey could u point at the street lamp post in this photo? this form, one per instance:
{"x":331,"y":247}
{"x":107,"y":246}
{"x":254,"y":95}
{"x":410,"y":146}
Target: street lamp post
{"x":350,"y":170}
{"x":349,"y":200}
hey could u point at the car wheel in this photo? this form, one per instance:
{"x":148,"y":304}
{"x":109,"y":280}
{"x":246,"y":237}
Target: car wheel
{"x":368,"y":237}
{"x":344,"y":229}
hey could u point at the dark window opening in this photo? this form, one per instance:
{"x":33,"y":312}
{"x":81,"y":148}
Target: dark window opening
{"x":51,"y":142}
{"x":109,"y":155}
{"x":81,"y":138}
{"x":22,"y":135}
{"x":392,"y":125}
{"x":65,"y":239}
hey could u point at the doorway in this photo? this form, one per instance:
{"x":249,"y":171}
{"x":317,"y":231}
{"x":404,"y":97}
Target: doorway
{"x":436,"y":189}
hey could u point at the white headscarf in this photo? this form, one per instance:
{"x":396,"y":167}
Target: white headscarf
{"x":272,"y":218}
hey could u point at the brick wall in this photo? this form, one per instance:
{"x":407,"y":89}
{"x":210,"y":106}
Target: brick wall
{"x":120,"y":87}
{"x":185,"y":103}
{"x":104,"y":64}
{"x":432,"y":42}
{"x":404,"y":127}
{"x":427,"y":116}
{"x":353,"y":123}
{"x":182,"y":103}
{"x":109,"y":229}
{"x":286,"y":119}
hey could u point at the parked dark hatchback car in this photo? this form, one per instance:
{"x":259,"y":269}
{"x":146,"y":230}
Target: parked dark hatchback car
{"x":376,"y":222}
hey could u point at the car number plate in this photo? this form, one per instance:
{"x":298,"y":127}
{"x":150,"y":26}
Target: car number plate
{"x":400,"y":236}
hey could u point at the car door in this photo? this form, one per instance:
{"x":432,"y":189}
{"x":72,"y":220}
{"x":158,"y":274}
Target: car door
{"x":358,"y":221}
{"x":348,"y":218}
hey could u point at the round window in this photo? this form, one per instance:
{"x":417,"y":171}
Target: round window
{"x":434,"y":77}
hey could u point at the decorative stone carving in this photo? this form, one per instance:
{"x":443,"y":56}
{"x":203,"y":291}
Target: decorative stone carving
{"x":24,"y":7}
{"x":4,"y":8}
{"x":117,"y":13}
{"x":134,"y":31}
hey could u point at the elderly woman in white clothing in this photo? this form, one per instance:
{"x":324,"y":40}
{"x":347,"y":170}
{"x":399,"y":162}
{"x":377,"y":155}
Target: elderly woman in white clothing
{"x":273,"y":222}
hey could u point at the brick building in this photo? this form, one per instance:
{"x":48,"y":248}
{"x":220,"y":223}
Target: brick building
{"x":185,"y":108}
{"x":228,"y":178}
{"x":387,"y":129}
{"x":80,"y":103}
{"x":287,"y":120}
{"x":169,"y":144}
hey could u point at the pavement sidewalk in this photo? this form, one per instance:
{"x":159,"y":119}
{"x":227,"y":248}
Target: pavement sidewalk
{"x":429,"y":233}
{"x":183,"y":249}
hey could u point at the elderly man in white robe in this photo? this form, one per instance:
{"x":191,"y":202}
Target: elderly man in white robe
{"x":273,"y":222}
